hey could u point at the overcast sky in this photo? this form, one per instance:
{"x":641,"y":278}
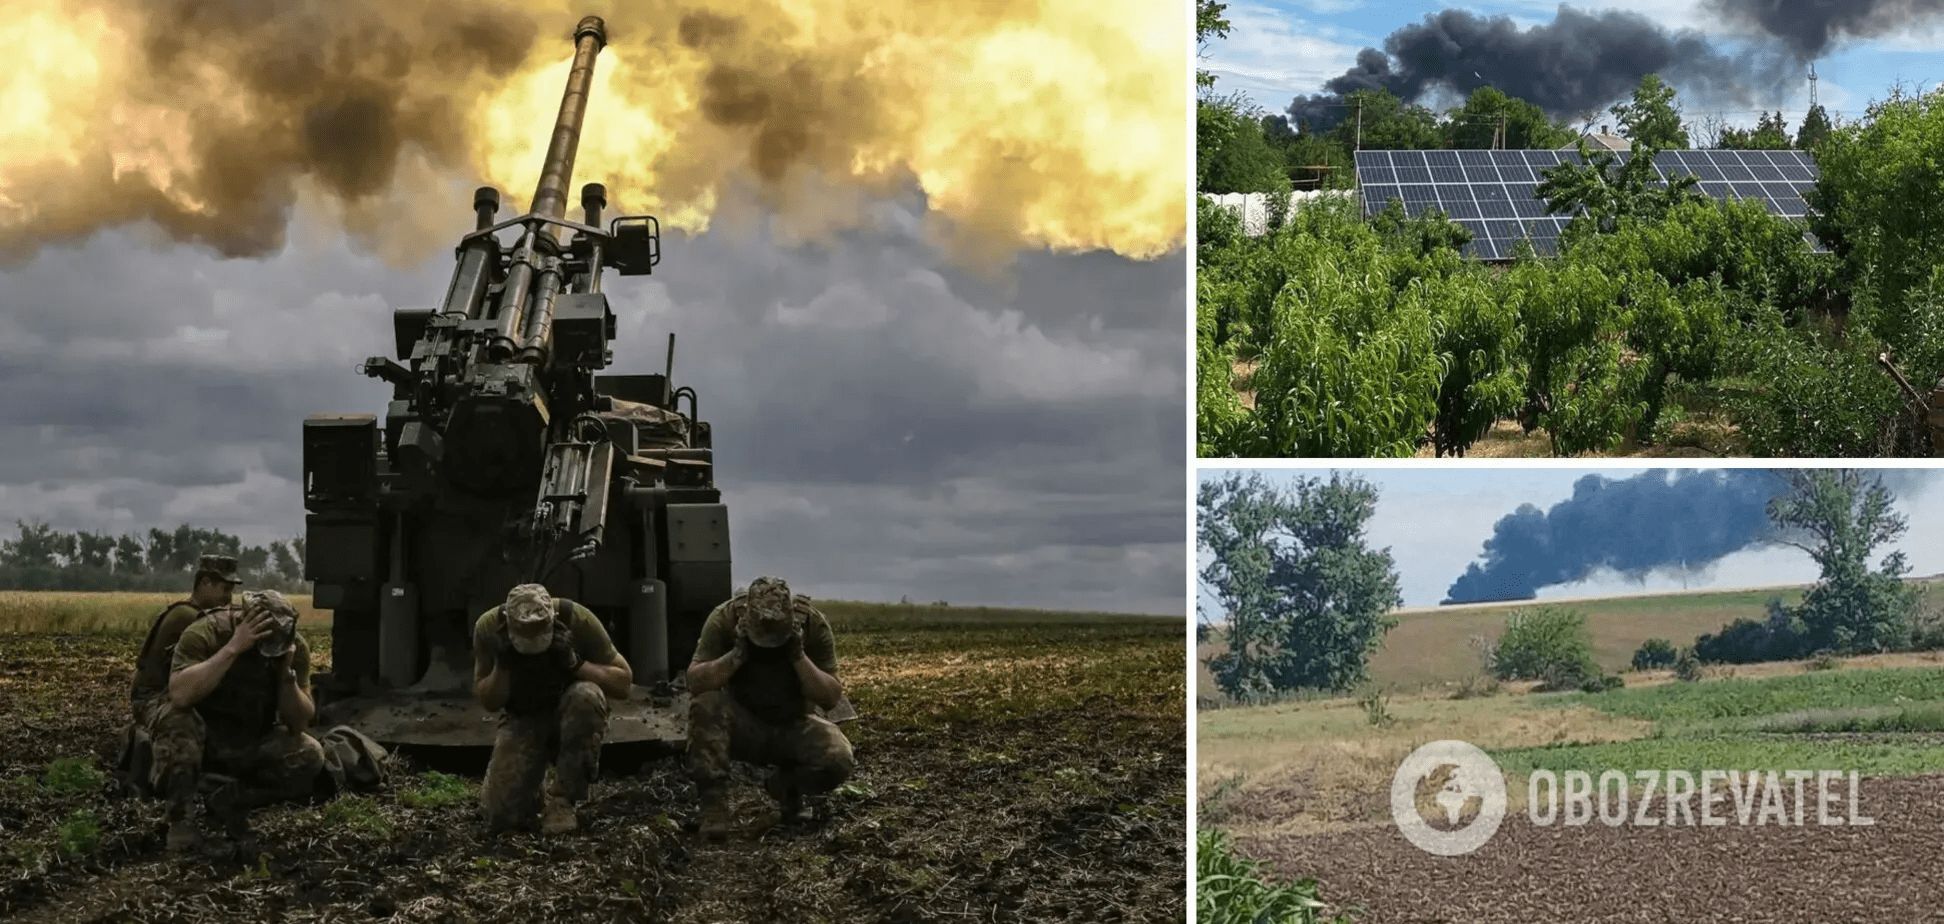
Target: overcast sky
{"x":1278,"y":49}
{"x":1435,"y":521}
{"x":884,"y":426}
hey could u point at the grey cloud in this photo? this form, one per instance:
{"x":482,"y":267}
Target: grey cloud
{"x":884,"y":426}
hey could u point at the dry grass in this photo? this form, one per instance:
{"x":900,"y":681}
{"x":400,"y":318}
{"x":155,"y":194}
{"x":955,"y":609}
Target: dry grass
{"x":1304,"y":768}
{"x":63,"y":612}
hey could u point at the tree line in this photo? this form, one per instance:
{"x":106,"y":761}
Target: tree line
{"x":40,"y":557}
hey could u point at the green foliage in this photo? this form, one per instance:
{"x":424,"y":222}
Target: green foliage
{"x":1849,"y":514}
{"x":1524,"y":124}
{"x":41,"y":557}
{"x":1209,"y":23}
{"x":1652,"y":118}
{"x":1663,"y":306}
{"x":1231,"y":154}
{"x":1376,"y":706}
{"x":358,"y":813}
{"x":1815,"y":127}
{"x":437,"y":789}
{"x":1384,"y":122}
{"x":1234,"y":890}
{"x":1307,"y":600}
{"x":68,"y":776}
{"x":1687,"y":667}
{"x":1654,"y":653}
{"x":1600,"y":194}
{"x":1770,"y":134}
{"x":79,"y":834}
{"x":1549,"y":644}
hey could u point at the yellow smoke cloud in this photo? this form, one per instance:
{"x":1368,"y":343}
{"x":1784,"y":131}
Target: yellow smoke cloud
{"x":1027,"y":123}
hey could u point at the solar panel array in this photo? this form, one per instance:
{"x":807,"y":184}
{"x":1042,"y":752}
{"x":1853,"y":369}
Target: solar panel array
{"x":1492,"y":192}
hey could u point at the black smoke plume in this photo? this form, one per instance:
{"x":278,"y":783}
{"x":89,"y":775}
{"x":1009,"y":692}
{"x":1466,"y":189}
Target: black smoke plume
{"x":1812,"y":27}
{"x":1579,"y":63}
{"x":1680,"y":521}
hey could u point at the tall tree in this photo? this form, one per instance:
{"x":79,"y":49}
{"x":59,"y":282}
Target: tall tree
{"x":1847,"y":515}
{"x":37,"y":546}
{"x":1652,"y":118}
{"x":1307,"y":600}
{"x":1231,"y":154}
{"x":1378,"y":120}
{"x":1770,"y":134}
{"x":1490,"y":114}
{"x":1209,"y":23}
{"x":1815,"y":127}
{"x":130,"y":556}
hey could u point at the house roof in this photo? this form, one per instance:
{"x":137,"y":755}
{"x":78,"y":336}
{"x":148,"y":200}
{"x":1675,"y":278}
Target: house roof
{"x":1600,"y":140}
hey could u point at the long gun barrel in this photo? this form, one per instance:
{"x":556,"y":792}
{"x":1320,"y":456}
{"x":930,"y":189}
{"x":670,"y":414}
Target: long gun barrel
{"x":522,"y":326}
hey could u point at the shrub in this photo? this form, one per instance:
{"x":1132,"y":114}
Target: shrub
{"x":1548,"y":644}
{"x":1687,"y":667}
{"x":1654,"y":653}
{"x":1603,"y":684}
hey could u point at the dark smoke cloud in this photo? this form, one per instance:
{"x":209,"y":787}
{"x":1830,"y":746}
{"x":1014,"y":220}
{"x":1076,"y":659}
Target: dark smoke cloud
{"x":1812,"y":27}
{"x":1577,"y":63}
{"x":1654,"y":521}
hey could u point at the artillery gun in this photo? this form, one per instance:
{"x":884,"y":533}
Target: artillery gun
{"x":505,"y":458}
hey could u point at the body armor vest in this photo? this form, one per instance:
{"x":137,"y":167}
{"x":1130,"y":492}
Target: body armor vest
{"x":538,"y":684}
{"x":767,"y":683}
{"x":246,"y":700}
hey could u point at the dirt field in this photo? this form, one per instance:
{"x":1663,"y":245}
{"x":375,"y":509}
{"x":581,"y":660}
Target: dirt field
{"x":1305,"y":786}
{"x":1011,"y":767}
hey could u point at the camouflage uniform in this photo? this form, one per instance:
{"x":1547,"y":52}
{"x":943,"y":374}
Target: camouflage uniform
{"x":149,"y":691}
{"x":762,"y":716}
{"x":548,"y":716}
{"x":235,"y":730}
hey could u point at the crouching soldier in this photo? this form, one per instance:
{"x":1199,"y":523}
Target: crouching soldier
{"x":216,"y":581}
{"x":552,"y":668}
{"x":765,"y":664}
{"x":238,"y":703}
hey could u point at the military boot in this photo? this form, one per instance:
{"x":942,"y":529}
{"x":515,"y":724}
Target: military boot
{"x":715,"y":814}
{"x":183,"y":835}
{"x":781,"y":786}
{"x":558,"y":816}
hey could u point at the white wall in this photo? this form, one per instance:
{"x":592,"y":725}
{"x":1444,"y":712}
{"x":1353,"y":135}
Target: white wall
{"x":1254,"y":207}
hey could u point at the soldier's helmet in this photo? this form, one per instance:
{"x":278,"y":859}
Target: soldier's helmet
{"x":769,"y":615}
{"x":283,"y":621}
{"x":220,"y":567}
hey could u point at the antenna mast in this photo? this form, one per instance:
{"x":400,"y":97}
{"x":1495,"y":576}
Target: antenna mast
{"x":1812,"y":84}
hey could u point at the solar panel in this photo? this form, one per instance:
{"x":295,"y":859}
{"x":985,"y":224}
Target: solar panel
{"x":1494,"y":193}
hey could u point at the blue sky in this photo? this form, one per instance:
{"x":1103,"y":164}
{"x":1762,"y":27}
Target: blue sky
{"x":1435,"y":522}
{"x":1277,"y":49}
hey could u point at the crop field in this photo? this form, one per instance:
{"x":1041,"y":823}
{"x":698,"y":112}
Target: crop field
{"x":1304,"y":786}
{"x":1012,"y":765}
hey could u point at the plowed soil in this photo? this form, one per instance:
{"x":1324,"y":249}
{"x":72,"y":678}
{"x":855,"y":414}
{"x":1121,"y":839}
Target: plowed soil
{"x":994,"y":784}
{"x":1886,"y":872}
